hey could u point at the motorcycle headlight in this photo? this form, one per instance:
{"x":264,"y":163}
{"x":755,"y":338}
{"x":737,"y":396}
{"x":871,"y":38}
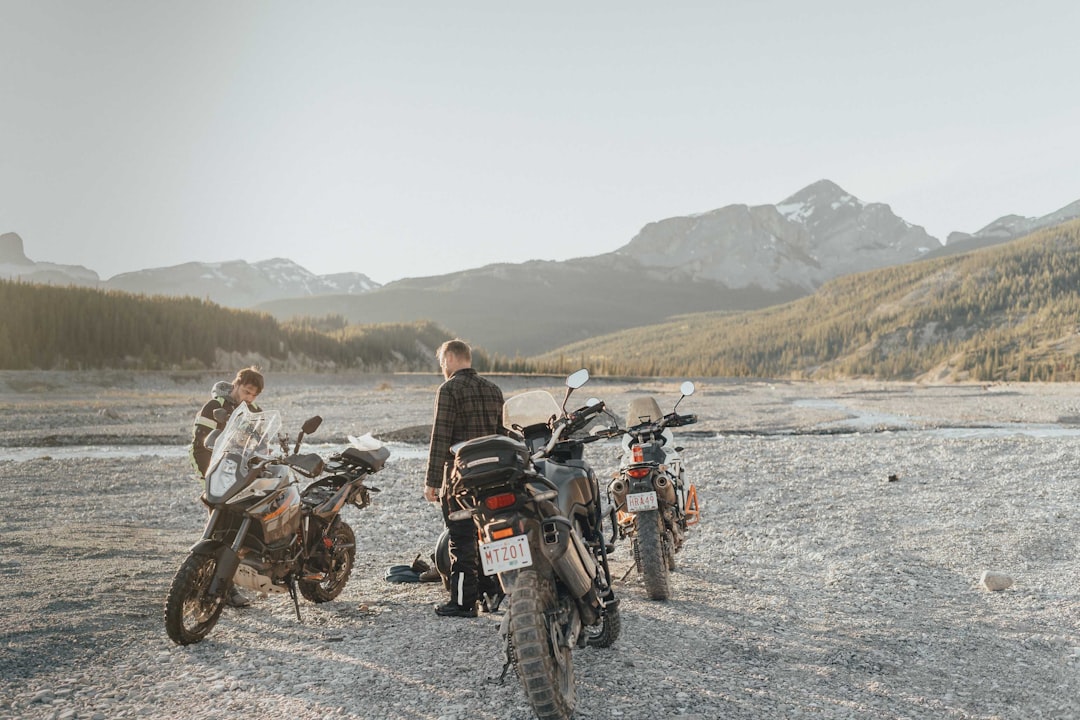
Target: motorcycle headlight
{"x":222,"y":478}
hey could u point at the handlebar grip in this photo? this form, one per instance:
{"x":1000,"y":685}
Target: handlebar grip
{"x":580,"y":418}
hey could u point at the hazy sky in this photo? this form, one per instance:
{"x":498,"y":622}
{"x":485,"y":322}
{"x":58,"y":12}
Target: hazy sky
{"x":415,"y":138}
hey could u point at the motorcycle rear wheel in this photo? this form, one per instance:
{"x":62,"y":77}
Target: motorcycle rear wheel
{"x":190,"y":614}
{"x":649,"y":553}
{"x":606,"y":632}
{"x":546,"y":670}
{"x":342,"y":557}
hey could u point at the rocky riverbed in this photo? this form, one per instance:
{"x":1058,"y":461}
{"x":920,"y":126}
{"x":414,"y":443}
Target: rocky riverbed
{"x":835,"y":572}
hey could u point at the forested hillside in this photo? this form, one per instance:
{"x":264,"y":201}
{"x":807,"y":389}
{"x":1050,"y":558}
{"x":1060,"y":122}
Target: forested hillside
{"x":1009,"y":312}
{"x":49,"y":327}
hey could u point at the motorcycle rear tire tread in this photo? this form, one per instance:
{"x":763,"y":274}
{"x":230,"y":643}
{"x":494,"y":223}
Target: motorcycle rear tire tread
{"x":650,"y":555}
{"x":537,"y":668}
{"x":325,"y":590}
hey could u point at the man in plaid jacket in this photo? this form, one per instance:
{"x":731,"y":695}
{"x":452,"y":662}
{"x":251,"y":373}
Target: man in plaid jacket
{"x":467,"y":406}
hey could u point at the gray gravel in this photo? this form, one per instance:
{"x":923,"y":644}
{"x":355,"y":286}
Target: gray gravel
{"x":814,"y":585}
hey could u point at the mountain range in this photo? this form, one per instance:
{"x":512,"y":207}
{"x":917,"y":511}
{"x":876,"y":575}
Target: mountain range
{"x":734,"y":258}
{"x":236,"y":283}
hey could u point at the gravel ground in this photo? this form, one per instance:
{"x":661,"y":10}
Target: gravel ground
{"x":814,"y":585}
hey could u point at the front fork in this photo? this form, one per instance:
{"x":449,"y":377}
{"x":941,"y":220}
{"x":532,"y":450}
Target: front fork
{"x":228,"y":556}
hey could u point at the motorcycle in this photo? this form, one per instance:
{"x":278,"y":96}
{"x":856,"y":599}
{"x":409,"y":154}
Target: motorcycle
{"x":653,"y":504}
{"x":536,"y":505}
{"x":263,"y":533}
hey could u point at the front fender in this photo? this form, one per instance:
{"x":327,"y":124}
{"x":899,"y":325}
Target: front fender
{"x":227,"y":563}
{"x":209,"y":548}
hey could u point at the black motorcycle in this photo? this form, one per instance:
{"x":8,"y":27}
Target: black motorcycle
{"x":263,"y":533}
{"x":654,"y":504}
{"x":536,"y":504}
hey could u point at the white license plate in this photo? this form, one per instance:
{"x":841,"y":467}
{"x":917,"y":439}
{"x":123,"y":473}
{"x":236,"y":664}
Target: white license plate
{"x":509,"y":553}
{"x":637,"y":502}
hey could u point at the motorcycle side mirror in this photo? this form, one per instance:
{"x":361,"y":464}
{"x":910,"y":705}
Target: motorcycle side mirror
{"x":576,"y":379}
{"x":310,"y":425}
{"x":573,"y":381}
{"x":687,"y":389}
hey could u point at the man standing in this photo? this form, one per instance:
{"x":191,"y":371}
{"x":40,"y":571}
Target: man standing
{"x":244,"y":389}
{"x":467,"y":406}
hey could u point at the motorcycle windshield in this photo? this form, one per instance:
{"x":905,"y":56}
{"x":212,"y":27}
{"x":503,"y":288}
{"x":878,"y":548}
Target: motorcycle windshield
{"x":643,"y":410}
{"x":246,"y":434}
{"x":534,"y":407}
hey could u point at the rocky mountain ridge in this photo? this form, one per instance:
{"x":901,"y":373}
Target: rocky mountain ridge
{"x":235,"y":283}
{"x":734,"y":258}
{"x":819,"y":233}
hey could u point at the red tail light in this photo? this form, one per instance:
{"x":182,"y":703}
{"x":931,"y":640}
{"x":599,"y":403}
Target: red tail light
{"x":638,"y":473}
{"x":638,"y":453}
{"x":500,"y":501}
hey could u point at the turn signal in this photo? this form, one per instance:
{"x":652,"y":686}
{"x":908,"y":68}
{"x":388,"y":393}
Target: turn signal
{"x":500,"y":501}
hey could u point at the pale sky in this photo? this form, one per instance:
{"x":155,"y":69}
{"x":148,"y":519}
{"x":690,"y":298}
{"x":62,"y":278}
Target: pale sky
{"x":402,"y":139}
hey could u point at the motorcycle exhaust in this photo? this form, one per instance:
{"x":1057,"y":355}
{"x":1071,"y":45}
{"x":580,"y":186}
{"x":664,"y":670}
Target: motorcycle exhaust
{"x":665,"y":490}
{"x":617,"y":488}
{"x":572,"y":562}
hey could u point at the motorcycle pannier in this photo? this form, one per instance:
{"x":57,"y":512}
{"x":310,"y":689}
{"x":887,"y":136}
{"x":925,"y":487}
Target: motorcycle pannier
{"x":488,"y":460}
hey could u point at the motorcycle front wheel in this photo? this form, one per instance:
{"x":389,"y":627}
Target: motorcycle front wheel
{"x":340,"y":565}
{"x":190,"y":613}
{"x":546,"y":668}
{"x":650,"y":556}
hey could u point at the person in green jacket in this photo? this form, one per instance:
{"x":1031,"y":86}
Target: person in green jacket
{"x":244,"y":389}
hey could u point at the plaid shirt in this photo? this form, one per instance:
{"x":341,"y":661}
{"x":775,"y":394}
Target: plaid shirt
{"x":466,"y":406}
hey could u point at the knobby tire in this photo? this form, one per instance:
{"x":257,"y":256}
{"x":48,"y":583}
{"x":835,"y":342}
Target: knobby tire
{"x":550,"y":689}
{"x":190,"y":614}
{"x":650,"y":554}
{"x":342,"y":558}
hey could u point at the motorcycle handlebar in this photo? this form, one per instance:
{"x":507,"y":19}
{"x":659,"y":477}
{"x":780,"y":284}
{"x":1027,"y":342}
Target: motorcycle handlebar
{"x":677,"y":420}
{"x":570,"y":423}
{"x":582,"y":416}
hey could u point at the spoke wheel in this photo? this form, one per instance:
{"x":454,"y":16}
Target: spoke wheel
{"x":546,"y":669}
{"x":190,"y":613}
{"x":342,"y":557}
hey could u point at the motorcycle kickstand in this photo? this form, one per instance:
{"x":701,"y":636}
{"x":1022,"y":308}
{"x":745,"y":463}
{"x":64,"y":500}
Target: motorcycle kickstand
{"x":295,"y":599}
{"x":506,"y":667}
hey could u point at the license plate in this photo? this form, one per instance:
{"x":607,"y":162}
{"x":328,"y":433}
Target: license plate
{"x":637,"y":502}
{"x":509,"y":553}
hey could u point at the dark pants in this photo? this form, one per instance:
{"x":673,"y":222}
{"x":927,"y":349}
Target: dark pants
{"x":467,"y":579}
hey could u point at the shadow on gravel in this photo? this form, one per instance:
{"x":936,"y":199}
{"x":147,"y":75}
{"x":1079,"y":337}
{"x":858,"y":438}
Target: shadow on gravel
{"x":79,"y":591}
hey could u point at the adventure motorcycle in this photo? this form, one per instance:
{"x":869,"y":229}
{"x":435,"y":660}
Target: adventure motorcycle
{"x":653,"y":503}
{"x":536,"y":504}
{"x":263,"y":533}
